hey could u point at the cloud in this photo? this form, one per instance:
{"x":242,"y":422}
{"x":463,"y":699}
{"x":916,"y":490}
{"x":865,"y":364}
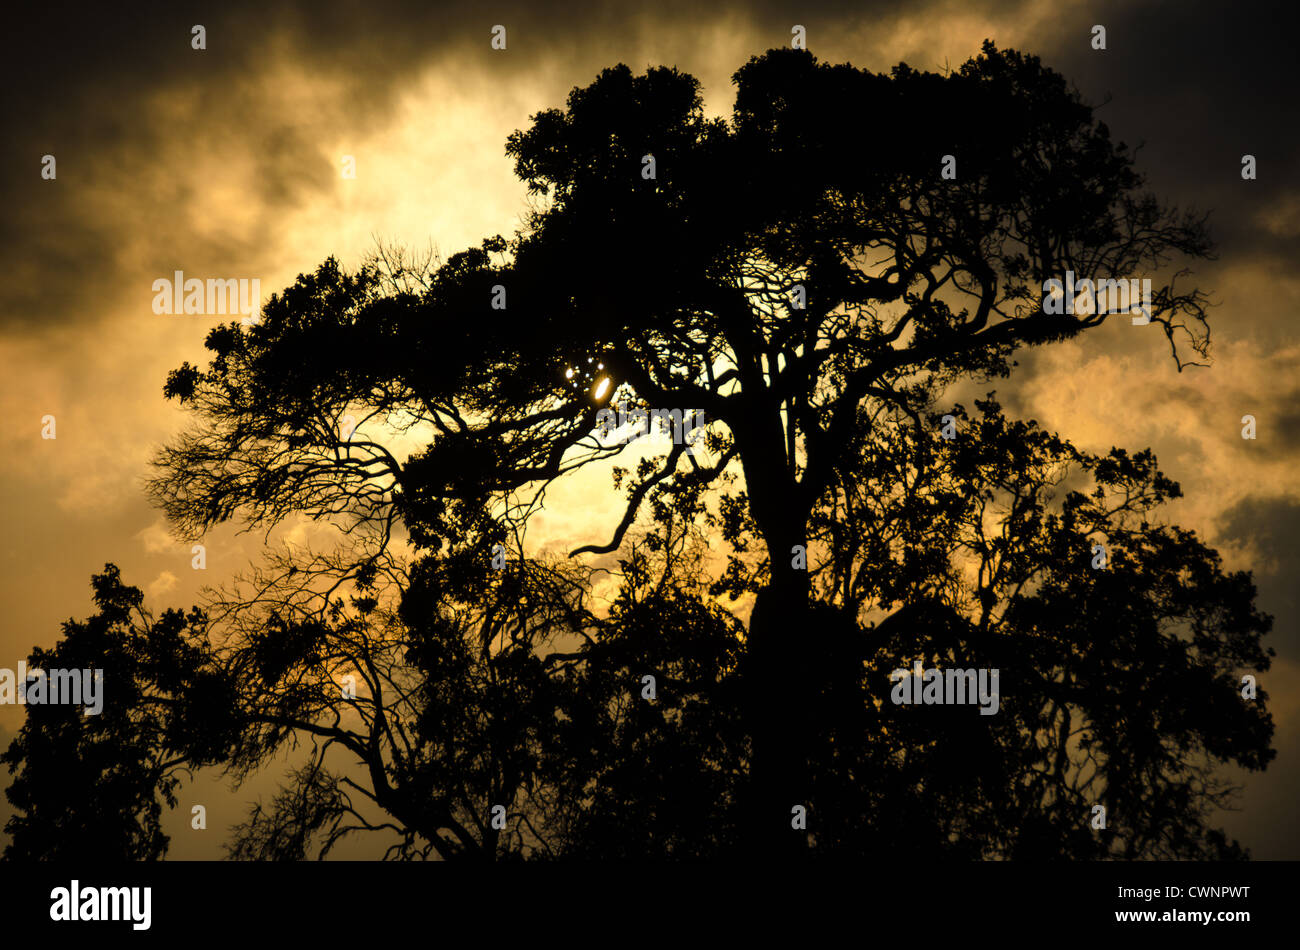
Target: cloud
{"x":162,"y":584}
{"x":156,"y":538}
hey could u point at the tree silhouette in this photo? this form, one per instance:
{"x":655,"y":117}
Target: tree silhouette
{"x":812,"y":283}
{"x":89,"y":785}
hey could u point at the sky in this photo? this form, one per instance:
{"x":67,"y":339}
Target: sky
{"x":226,"y":162}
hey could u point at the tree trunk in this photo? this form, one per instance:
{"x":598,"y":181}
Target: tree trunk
{"x":776,"y":679}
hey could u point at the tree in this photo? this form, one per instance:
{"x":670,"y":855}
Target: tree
{"x":911,"y":281}
{"x":812,"y":284}
{"x":89,"y":785}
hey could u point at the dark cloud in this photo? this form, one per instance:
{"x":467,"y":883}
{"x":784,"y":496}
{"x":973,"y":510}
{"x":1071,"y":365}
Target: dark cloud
{"x":1197,"y":85}
{"x":1271,"y":526}
{"x":1276,"y":426}
{"x":93,"y":87}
